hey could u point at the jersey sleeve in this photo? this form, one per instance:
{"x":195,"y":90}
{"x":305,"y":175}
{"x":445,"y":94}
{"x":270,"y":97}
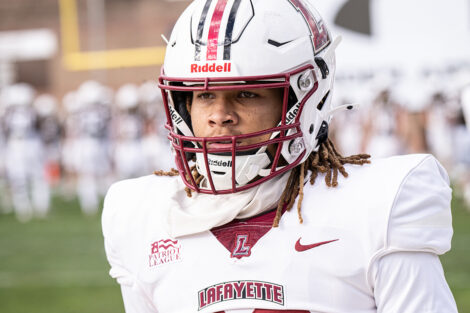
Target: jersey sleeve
{"x":409,"y":282}
{"x":134,"y":296}
{"x":407,"y":274}
{"x":420,"y":218}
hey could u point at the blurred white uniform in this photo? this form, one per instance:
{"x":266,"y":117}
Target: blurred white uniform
{"x":461,"y":143}
{"x":465,"y":98}
{"x":383,"y":141}
{"x":90,"y":148}
{"x":370,"y":245}
{"x":156,"y":149}
{"x":154,"y":141}
{"x":71,"y":132}
{"x":50,"y":132}
{"x":24,"y":155}
{"x":5,"y":207}
{"x":439,"y":133}
{"x":348,"y":137}
{"x":129,"y":155}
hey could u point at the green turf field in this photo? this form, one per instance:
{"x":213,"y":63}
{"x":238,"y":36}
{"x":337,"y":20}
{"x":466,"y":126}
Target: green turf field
{"x":59,"y":266}
{"x":457,"y":261}
{"x":55,"y":266}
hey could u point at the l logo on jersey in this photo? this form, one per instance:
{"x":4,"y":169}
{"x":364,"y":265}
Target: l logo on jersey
{"x":241,"y":248}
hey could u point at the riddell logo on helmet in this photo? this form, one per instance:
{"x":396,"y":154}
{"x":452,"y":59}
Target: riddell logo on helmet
{"x":211,"y":68}
{"x":219,"y":163}
{"x":292,"y":114}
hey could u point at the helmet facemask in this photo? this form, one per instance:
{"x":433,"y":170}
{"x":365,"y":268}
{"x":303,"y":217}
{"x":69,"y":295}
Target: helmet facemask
{"x":238,"y":167}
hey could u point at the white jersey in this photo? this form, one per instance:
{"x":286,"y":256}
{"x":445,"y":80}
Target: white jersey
{"x":369,"y":245}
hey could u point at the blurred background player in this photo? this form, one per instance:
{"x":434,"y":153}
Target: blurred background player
{"x":461,"y":136}
{"x":24,"y":154}
{"x":90,"y":148}
{"x":128,"y":125}
{"x":70,"y":121}
{"x":50,"y":132}
{"x":154,"y":141}
{"x":381,"y":118}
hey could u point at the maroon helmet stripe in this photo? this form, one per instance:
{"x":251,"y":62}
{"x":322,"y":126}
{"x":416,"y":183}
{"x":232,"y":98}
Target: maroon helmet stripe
{"x":320,"y":36}
{"x":213,"y":39}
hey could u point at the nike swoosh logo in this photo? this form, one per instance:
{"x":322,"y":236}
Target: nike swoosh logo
{"x":300,"y":247}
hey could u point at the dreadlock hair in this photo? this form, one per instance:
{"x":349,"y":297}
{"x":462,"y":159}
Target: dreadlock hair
{"x":327,"y":160}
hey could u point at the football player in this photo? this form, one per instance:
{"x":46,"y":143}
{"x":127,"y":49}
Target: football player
{"x":24,"y":154}
{"x":91,"y":148}
{"x":256,"y":218}
{"x":128,"y":153}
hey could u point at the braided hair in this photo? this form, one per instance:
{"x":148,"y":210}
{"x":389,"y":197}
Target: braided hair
{"x":326,"y":160}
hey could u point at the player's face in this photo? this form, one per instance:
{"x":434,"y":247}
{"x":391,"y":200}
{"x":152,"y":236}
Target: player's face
{"x":235,"y":112}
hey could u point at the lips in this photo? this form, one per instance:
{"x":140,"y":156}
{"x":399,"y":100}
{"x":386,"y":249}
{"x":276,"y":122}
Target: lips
{"x":221,"y":144}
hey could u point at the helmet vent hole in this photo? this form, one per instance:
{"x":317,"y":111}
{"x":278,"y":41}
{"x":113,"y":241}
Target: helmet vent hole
{"x":310,"y":130}
{"x":322,"y":102}
{"x":325,"y":71}
{"x":277,"y":43}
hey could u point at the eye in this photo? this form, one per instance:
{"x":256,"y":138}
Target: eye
{"x":247,"y":94}
{"x":205,"y":95}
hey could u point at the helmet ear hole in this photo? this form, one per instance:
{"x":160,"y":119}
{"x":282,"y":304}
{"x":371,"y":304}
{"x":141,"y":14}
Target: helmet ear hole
{"x":322,"y":134}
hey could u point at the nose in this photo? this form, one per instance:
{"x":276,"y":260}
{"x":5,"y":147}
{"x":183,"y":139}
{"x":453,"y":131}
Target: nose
{"x":222,"y":113}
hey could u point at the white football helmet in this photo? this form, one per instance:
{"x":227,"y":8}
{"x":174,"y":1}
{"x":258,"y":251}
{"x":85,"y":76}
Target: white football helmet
{"x":245,"y":44}
{"x":21,"y":94}
{"x":127,"y":97}
{"x":45,"y":105}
